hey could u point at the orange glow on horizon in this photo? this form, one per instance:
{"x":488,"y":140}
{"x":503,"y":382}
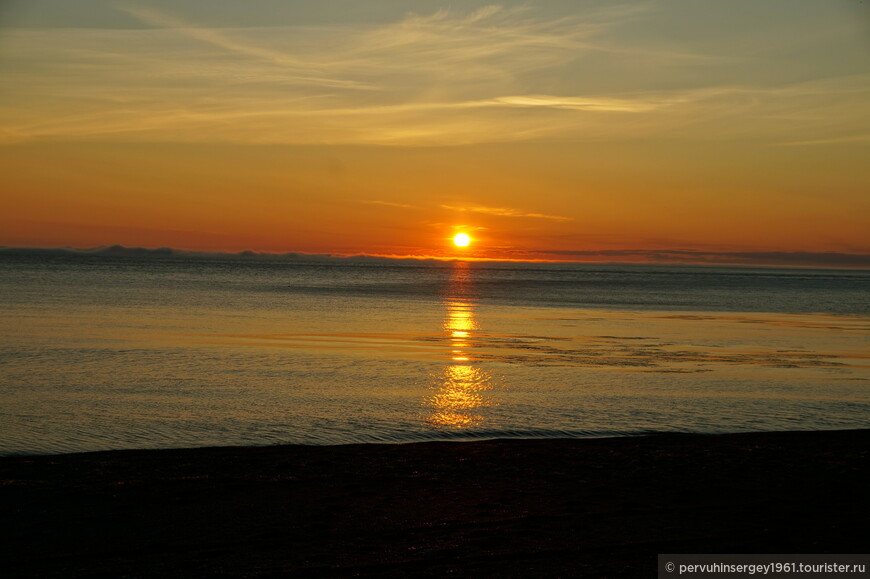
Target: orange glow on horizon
{"x":528,"y":165}
{"x":198,"y":206}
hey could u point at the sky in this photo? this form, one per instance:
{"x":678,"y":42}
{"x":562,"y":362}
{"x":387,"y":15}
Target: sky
{"x":574,"y":130}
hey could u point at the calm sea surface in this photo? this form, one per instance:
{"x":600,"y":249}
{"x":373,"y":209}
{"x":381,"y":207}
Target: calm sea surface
{"x":103,"y":352}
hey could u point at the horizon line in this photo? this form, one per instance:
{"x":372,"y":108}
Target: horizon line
{"x":779,"y":259}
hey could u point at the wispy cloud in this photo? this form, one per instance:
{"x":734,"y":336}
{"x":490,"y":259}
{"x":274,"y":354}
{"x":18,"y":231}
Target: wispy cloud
{"x":452,"y":77}
{"x":582,"y":103}
{"x":298,"y":68}
{"x":390,"y":204}
{"x":449,"y":77}
{"x":833,"y":140}
{"x":505,"y":212}
{"x":496,"y":211}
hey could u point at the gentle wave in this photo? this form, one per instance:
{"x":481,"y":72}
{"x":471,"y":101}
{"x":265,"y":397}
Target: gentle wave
{"x":490,"y":434}
{"x":149,"y":354}
{"x":90,"y":441}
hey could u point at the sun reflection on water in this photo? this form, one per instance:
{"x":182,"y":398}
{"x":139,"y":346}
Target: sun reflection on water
{"x":460,"y":389}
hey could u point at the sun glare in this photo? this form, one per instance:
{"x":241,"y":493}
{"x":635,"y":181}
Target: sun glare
{"x":461,"y":240}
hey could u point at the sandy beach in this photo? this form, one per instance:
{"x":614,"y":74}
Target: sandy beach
{"x":500,"y":508}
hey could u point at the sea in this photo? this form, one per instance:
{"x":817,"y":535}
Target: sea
{"x":101,"y":351}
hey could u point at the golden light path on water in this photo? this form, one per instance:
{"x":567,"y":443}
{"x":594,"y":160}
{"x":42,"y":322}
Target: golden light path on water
{"x":460,"y":389}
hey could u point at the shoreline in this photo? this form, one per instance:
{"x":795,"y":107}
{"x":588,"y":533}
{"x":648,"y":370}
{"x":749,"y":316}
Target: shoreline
{"x":599,"y":507}
{"x":470,"y":439}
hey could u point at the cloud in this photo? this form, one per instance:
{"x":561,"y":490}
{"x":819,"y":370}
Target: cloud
{"x":298,"y":68}
{"x":169,"y":253}
{"x":780,"y":258}
{"x":159,"y":253}
{"x":833,"y":140}
{"x":497,"y":211}
{"x":451,"y":77}
{"x":582,"y":103}
{"x":390,"y":204}
{"x":505,"y":212}
{"x":445,"y":78}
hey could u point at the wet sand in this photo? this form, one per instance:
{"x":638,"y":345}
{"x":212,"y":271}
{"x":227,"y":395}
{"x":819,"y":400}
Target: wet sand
{"x":502,"y":508}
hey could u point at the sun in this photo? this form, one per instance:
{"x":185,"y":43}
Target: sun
{"x":461,"y":240}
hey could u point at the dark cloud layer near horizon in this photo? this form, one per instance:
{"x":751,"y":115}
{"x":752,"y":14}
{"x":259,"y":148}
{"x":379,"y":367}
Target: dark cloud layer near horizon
{"x":785,"y":258}
{"x":828,"y":260}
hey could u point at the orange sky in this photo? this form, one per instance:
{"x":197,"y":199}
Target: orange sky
{"x":545,"y":131}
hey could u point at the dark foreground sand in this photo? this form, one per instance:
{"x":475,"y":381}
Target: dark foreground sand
{"x":504,"y":508}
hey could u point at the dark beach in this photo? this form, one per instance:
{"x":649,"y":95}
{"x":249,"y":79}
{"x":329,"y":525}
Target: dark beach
{"x":501,"y":508}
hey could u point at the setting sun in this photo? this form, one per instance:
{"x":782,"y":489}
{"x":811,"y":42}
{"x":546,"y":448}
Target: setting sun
{"x":461,"y":240}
